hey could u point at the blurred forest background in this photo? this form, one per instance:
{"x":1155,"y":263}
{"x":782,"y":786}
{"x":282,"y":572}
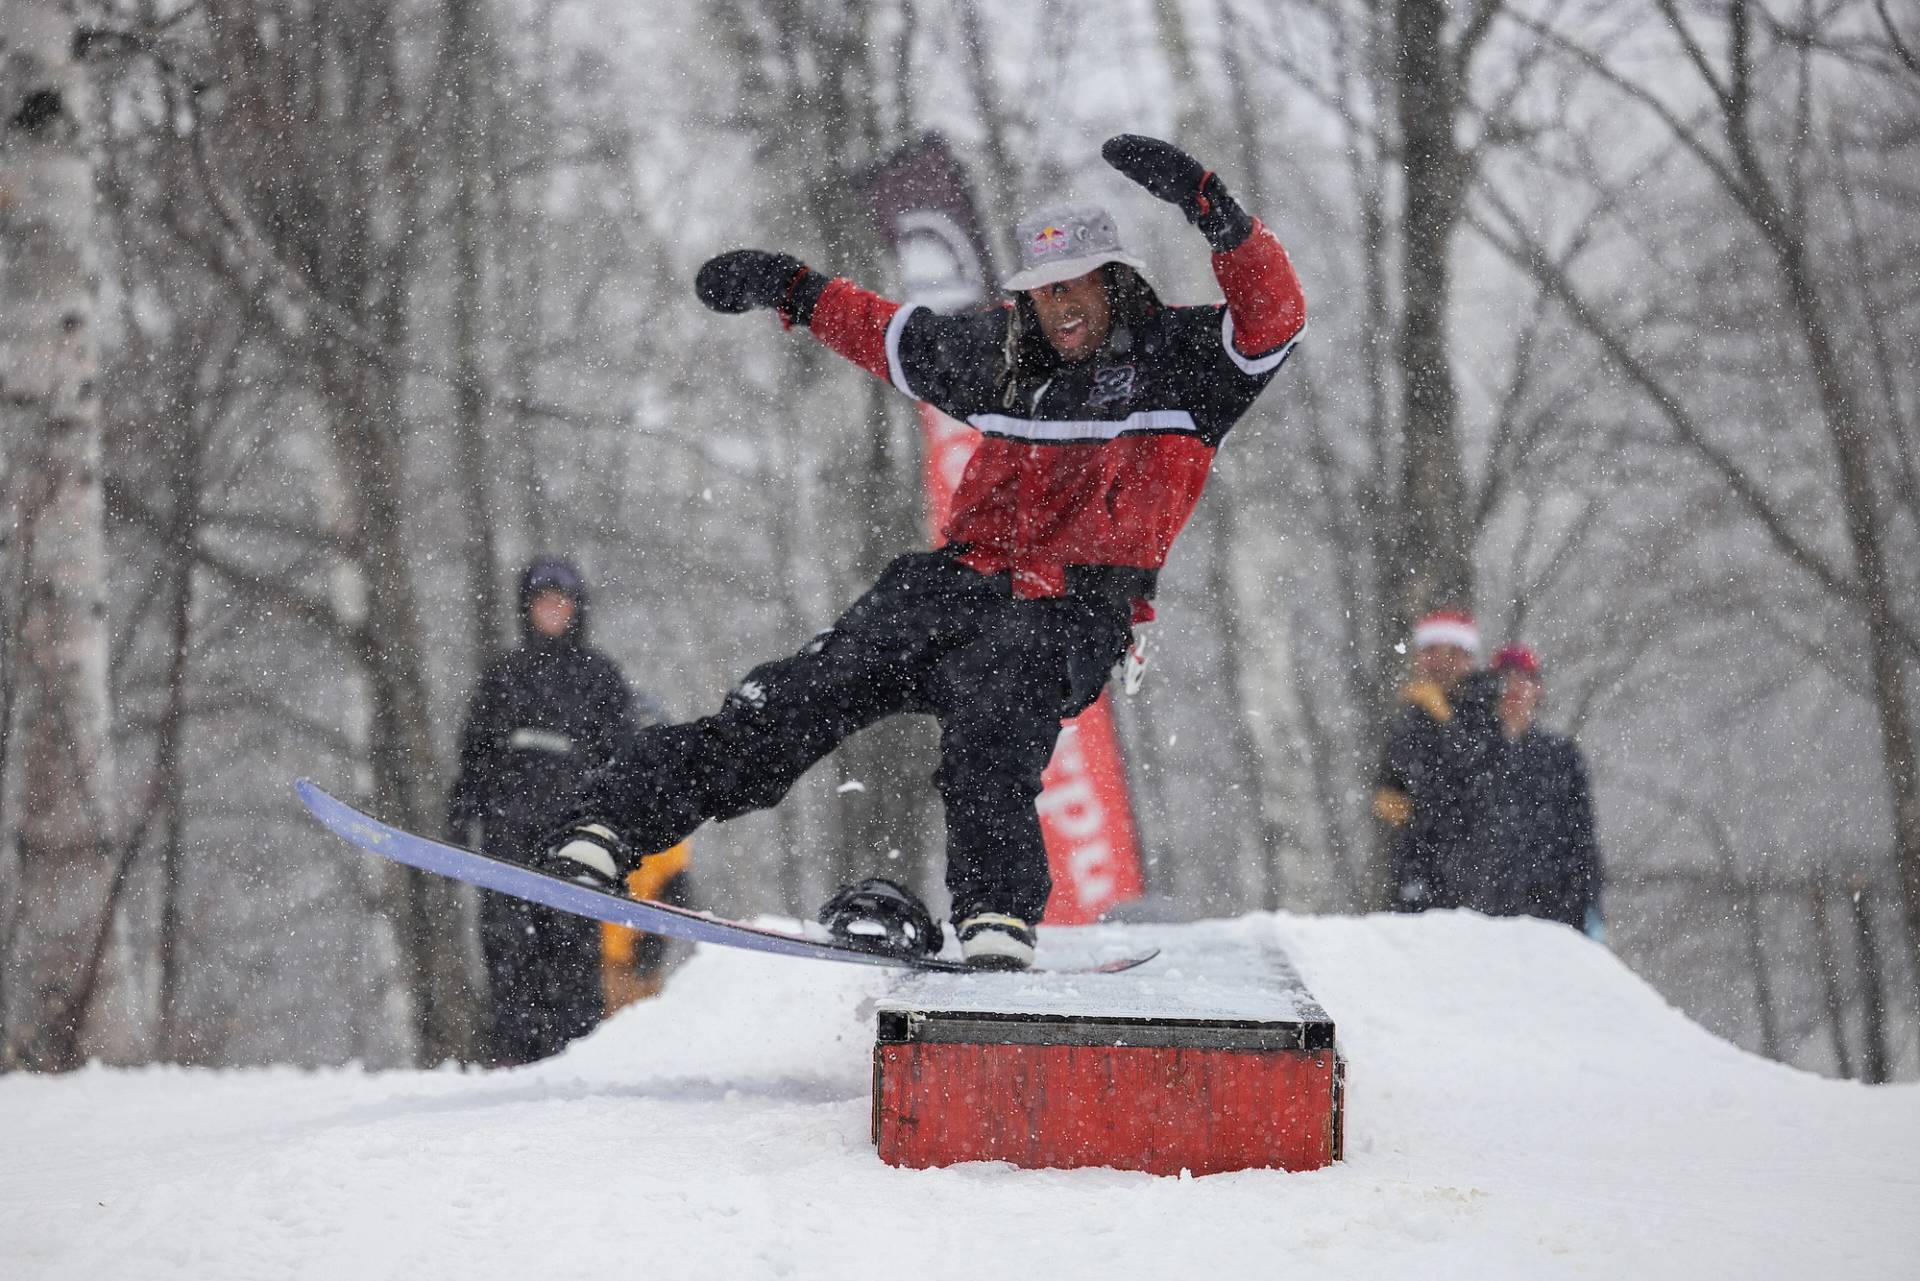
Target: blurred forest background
{"x":1614,"y":322}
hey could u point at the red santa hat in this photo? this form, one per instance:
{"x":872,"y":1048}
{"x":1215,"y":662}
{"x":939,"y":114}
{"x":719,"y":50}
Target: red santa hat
{"x":1447,"y":627}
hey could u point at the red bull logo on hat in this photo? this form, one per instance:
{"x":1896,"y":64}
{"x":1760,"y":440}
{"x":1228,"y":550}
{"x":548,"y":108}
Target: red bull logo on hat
{"x":1063,"y":242}
{"x":1049,"y":239}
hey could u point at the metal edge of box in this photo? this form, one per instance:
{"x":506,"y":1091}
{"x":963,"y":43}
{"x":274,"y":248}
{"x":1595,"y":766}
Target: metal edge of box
{"x":1338,"y":1147}
{"x":898,"y":1026}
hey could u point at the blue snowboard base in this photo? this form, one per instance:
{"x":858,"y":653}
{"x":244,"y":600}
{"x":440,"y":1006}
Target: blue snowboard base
{"x":490,"y":873}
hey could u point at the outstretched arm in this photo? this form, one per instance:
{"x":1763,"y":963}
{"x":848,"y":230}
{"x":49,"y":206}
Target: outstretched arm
{"x":1264,"y":298}
{"x":935,"y":358}
{"x":846,"y":318}
{"x":860,"y":325}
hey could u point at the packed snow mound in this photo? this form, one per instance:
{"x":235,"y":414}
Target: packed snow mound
{"x":1519,"y":1105}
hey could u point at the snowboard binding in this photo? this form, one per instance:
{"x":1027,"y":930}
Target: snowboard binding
{"x":879,"y":915}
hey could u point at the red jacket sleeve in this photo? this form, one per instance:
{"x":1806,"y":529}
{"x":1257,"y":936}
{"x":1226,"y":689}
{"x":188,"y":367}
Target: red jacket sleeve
{"x":1269,"y":310}
{"x":853,"y":322}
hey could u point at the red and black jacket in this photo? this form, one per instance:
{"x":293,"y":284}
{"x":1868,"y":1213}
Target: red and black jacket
{"x":1101,"y":463}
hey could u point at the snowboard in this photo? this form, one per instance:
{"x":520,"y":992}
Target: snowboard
{"x":489,"y":873}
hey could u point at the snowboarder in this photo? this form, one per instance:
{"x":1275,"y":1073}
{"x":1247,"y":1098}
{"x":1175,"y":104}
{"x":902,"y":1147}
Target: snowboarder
{"x":1543,"y":837}
{"x":1101,"y":409}
{"x":542,"y":715}
{"x":1437,"y":769}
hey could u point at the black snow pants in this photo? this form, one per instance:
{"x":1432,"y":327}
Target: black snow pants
{"x":543,"y":966}
{"x":931,"y":636}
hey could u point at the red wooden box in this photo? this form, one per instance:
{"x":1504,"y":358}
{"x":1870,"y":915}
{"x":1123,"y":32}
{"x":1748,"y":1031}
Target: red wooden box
{"x":1161,"y":1095}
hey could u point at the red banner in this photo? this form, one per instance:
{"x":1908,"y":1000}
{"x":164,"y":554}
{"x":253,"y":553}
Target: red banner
{"x":923,"y":206}
{"x":1087,"y":817}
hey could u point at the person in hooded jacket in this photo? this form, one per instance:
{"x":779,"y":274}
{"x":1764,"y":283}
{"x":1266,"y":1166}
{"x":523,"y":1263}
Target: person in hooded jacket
{"x":544,"y":714}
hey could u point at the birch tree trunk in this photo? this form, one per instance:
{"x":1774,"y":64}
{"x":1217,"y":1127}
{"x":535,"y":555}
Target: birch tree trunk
{"x":60,"y":1010}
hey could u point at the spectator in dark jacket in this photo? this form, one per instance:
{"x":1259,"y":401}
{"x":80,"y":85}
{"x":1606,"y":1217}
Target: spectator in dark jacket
{"x":543,"y":714}
{"x":1436,"y":770}
{"x":1542,"y":847}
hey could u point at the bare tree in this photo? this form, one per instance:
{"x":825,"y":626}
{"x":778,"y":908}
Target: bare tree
{"x":468,"y":66}
{"x":1431,"y":554}
{"x":1427,"y":104}
{"x":1755,"y":165}
{"x":317,"y":114}
{"x":1872,"y":981}
{"x":58,"y":1013}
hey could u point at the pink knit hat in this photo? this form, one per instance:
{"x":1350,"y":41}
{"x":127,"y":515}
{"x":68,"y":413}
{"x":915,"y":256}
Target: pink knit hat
{"x":1517,"y":658}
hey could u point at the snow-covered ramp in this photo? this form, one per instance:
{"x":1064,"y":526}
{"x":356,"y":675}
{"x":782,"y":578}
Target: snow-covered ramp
{"x":1519,"y":1105}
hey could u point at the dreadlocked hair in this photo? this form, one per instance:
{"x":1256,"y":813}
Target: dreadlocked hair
{"x":1029,"y":359}
{"x":1130,"y":297}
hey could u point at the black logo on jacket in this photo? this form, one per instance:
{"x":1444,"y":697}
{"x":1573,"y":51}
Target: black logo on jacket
{"x":1112,"y":385}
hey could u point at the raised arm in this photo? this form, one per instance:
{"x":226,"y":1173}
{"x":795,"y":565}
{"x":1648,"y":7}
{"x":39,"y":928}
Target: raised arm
{"x":1264,"y":299}
{"x":1263,"y":294}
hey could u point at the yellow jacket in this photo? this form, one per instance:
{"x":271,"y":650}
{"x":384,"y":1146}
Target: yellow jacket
{"x":620,"y":946}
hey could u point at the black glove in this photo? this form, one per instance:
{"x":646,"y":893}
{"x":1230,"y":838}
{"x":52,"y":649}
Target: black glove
{"x":742,"y":279}
{"x":1177,"y":178}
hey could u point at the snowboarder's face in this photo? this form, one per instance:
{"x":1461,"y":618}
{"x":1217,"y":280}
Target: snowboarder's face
{"x":1074,"y":314}
{"x":551,"y":612}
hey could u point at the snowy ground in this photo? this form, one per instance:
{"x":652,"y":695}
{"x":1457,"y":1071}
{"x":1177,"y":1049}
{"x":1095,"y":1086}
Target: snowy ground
{"x":1520,"y":1106}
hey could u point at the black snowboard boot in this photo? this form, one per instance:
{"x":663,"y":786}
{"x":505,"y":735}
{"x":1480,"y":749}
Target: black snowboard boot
{"x":879,"y":915}
{"x":589,"y":852}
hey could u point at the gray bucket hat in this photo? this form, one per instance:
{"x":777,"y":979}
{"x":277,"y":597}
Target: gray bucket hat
{"x":1064,"y":241}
